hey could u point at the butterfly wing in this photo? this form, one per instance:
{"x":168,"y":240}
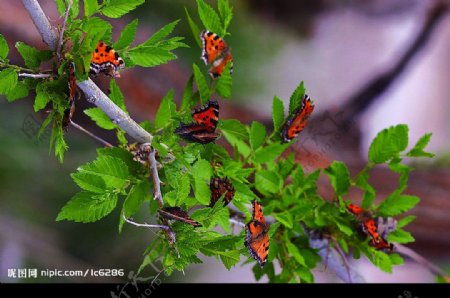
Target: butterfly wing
{"x":207,"y":115}
{"x":219,"y":66}
{"x":257,"y":238}
{"x":106,"y":60}
{"x":212,"y":46}
{"x":257,"y":241}
{"x":354,"y":209}
{"x":196,"y":133}
{"x":297,"y":122}
{"x":177,"y":213}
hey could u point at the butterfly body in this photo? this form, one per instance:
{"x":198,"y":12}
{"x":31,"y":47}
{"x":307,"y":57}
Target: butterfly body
{"x":220,"y":187}
{"x":257,"y":238}
{"x":369,"y":227}
{"x":298,"y":120}
{"x":215,"y":52}
{"x":105,"y":60}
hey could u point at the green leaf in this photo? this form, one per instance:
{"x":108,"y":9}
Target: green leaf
{"x":400,"y":236}
{"x":369,"y":192}
{"x":202,"y":86}
{"x":305,"y":274}
{"x":96,"y":29}
{"x":150,"y":56}
{"x":138,"y":193}
{"x":396,"y":259}
{"x":127,"y":35}
{"x":202,"y":172}
{"x":112,"y":170}
{"x":226,"y":13}
{"x":268,"y":181}
{"x":257,"y":135}
{"x":88,"y":207}
{"x":235,"y":128}
{"x":165,"y":111}
{"x":4,"y":49}
{"x":381,"y":260}
{"x":116,"y":95}
{"x":32,"y":56}
{"x":42,"y":97}
{"x":294,"y":252}
{"x":296,"y":98}
{"x":89,"y":182}
{"x":100,"y":118}
{"x":8,"y":80}
{"x":418,"y":150}
{"x":405,"y":221}
{"x":210,"y":217}
{"x":389,"y":143}
{"x":57,"y":138}
{"x":209,"y":18}
{"x":194,"y":28}
{"x":285,"y":218}
{"x":90,"y":7}
{"x":161,"y":34}
{"x":183,"y":189}
{"x":21,"y":90}
{"x":187,"y":101}
{"x":237,"y":143}
{"x":339,"y":177}
{"x":229,"y":258}
{"x":225,"y":82}
{"x":404,"y":171}
{"x":61,"y":6}
{"x":396,"y":204}
{"x":269,"y":153}
{"x":277,"y":113}
{"x":344,"y":228}
{"x":117,"y":8}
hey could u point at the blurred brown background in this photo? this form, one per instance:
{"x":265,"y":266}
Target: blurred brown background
{"x":350,"y":55}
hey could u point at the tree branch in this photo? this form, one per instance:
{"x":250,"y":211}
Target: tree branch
{"x":90,"y":89}
{"x":155,"y":175}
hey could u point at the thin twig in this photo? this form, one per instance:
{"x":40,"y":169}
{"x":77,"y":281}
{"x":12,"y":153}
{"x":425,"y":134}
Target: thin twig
{"x":35,"y":75}
{"x":408,"y":252}
{"x":81,"y":128}
{"x":155,"y":175}
{"x":144,"y":225}
{"x":237,"y":222}
{"x":63,"y":28}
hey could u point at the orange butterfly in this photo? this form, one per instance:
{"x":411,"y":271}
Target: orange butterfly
{"x":216,"y":52}
{"x":369,"y":227}
{"x":219,"y":187}
{"x":73,"y":95}
{"x":105,"y":60}
{"x":257,"y":238}
{"x":203,"y":130}
{"x":177,"y":213}
{"x":298,"y":120}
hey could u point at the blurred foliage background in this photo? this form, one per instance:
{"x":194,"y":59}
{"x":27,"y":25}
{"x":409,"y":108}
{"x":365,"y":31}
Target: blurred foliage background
{"x":336,"y":47}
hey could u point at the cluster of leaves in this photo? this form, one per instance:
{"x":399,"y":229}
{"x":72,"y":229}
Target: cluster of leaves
{"x":256,"y":164}
{"x":80,"y":38}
